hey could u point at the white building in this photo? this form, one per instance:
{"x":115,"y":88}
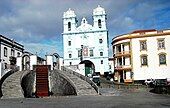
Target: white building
{"x":10,"y":49}
{"x":142,"y":54}
{"x":86,"y":44}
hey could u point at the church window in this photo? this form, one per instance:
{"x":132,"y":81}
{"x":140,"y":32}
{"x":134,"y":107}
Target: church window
{"x":69,"y":26}
{"x":70,"y":55}
{"x":99,"y":23}
{"x":101,"y":61}
{"x":100,"y":41}
{"x":101,"y":53}
{"x":110,"y":67}
{"x":91,"y":53}
{"x":69,"y":43}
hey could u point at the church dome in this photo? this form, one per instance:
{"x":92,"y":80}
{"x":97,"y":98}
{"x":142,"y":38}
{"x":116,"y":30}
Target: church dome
{"x":99,"y":11}
{"x":69,"y":13}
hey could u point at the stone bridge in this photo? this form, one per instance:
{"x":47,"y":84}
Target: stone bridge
{"x":20,"y":84}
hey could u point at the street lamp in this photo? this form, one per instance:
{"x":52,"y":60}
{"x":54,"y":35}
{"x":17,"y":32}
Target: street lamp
{"x":81,"y":55}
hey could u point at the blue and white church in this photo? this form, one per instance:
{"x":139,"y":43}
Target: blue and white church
{"x":86,"y":44}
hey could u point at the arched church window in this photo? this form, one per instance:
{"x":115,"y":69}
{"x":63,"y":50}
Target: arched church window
{"x":99,"y":23}
{"x":69,"y":26}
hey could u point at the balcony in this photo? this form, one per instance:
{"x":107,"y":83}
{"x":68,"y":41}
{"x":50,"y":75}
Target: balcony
{"x":123,"y":53}
{"x":128,"y":80}
{"x":123,"y":67}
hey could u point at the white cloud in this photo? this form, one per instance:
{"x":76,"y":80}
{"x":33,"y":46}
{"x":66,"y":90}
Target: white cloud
{"x":39,"y":22}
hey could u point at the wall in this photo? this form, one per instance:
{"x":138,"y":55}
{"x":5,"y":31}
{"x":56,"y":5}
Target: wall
{"x":28,"y":83}
{"x":153,"y":70}
{"x":60,"y":85}
{"x":78,"y":68}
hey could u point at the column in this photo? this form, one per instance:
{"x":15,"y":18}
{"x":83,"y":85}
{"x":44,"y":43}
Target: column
{"x":33,"y":61}
{"x":19,"y":63}
{"x":49,"y":59}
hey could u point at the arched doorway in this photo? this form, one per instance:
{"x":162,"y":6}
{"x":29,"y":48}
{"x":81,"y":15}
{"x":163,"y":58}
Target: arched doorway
{"x":89,"y":67}
{"x":56,"y":61}
{"x":26,"y":61}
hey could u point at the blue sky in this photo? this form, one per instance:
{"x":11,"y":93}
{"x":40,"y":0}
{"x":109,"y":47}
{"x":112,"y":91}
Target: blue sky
{"x":37,"y":24}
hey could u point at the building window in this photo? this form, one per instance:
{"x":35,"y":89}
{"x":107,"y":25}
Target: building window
{"x":143,"y":45}
{"x":69,"y":43}
{"x":5,"y":51}
{"x":69,"y":26}
{"x":162,"y":58}
{"x":144,"y":60}
{"x":101,"y":53}
{"x":12,"y":52}
{"x":91,"y":53}
{"x":5,"y":65}
{"x":18,"y":54}
{"x":101,"y":61}
{"x":70,"y":55}
{"x":99,"y":23}
{"x":161,"y":43}
{"x":100,"y":41}
{"x":123,"y":60}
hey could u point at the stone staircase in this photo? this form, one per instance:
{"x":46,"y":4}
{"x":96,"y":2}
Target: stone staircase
{"x":82,"y":86}
{"x":11,"y":87}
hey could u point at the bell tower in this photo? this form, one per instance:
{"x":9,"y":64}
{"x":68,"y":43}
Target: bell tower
{"x":99,"y":18}
{"x":69,"y":21}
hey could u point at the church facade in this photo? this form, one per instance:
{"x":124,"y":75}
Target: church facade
{"x":86,"y":44}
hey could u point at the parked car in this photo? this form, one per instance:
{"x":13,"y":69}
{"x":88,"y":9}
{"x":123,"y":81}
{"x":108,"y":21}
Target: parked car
{"x":160,"y":82}
{"x":149,"y":81}
{"x":168,"y":81}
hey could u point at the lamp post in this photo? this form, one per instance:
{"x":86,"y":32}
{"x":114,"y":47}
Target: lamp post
{"x":81,"y":55}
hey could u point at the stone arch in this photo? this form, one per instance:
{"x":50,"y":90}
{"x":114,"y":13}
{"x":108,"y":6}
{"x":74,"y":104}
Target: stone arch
{"x":25,"y":61}
{"x":56,"y":64}
{"x":89,"y":67}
